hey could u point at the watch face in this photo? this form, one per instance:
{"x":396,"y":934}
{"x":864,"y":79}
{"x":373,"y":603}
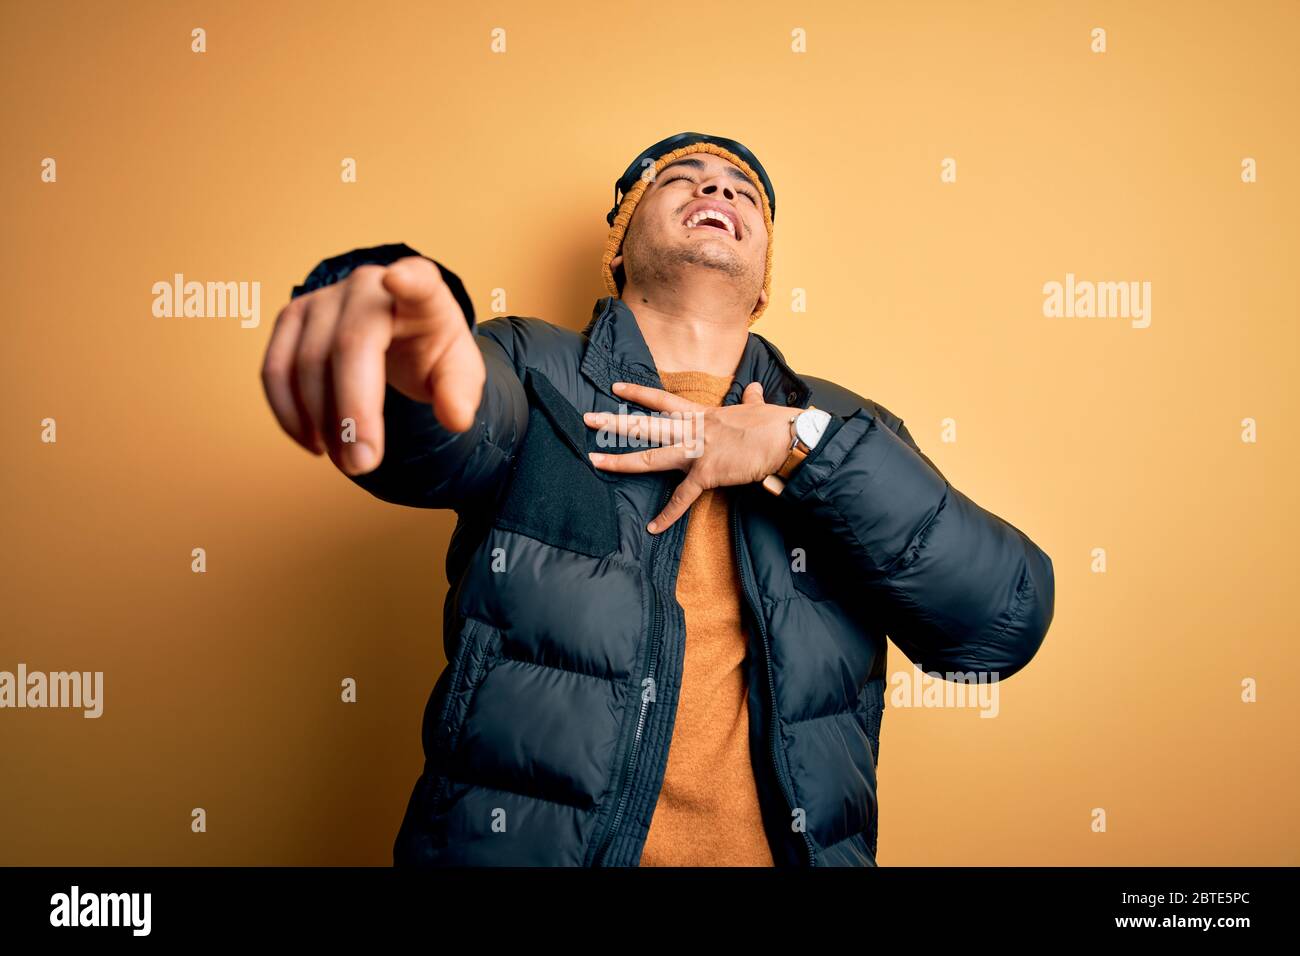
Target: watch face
{"x":811,"y":425}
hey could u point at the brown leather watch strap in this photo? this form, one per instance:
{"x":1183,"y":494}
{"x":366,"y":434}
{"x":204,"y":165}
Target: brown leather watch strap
{"x":792,"y":461}
{"x":775,"y":482}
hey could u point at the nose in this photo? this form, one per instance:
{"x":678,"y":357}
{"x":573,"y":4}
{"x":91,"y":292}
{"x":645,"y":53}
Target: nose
{"x":712,"y":185}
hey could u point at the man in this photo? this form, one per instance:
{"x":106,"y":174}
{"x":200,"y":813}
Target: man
{"x":676,"y":561}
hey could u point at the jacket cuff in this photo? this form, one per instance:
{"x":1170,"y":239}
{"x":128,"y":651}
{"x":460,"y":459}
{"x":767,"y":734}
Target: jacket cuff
{"x":337,"y":268}
{"x":841,"y":435}
{"x":873,"y":487}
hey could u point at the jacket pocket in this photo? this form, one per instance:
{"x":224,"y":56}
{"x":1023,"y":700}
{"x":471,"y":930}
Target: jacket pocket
{"x":872,"y":709}
{"x":556,"y":495}
{"x":478,"y":649}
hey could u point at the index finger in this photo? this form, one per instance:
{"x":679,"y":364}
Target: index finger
{"x":655,"y":398}
{"x":419,"y":295}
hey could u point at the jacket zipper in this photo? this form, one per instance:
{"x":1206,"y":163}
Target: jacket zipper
{"x":656,"y":636}
{"x":742,"y":567}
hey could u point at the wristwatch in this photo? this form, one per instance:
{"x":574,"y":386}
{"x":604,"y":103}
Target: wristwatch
{"x":806,"y":430}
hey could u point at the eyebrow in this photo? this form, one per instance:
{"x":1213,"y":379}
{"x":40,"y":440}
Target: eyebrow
{"x":699,"y":164}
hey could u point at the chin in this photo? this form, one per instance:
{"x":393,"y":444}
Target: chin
{"x":710,"y":250}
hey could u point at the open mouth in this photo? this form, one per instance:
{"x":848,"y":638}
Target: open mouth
{"x":713,"y":219}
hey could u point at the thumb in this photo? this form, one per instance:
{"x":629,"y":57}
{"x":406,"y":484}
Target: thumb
{"x":753,"y":394}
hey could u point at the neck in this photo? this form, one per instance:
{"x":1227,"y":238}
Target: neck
{"x":689,"y":333}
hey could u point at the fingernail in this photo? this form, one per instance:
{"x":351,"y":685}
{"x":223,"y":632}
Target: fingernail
{"x":361,"y":457}
{"x":593,"y":418}
{"x":596,"y":457}
{"x":652,"y":527}
{"x":618,"y":386}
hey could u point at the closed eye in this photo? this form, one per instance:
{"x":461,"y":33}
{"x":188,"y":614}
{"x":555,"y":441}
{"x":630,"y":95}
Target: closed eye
{"x":672,"y":179}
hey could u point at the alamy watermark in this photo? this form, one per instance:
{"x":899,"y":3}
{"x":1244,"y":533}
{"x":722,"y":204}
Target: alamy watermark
{"x":950,"y":689}
{"x":208,"y":300}
{"x":1084,"y":299}
{"x":655,"y":429}
{"x":82,"y":690}
{"x":75,"y":908}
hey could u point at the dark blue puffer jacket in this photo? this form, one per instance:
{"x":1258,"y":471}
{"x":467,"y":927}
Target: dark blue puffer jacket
{"x":547,"y":735}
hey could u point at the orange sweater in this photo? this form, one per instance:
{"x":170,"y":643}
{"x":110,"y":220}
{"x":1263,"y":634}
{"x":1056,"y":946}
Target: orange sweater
{"x":708,"y":812}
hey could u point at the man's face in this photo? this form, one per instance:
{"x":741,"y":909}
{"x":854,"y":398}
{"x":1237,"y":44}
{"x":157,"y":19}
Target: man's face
{"x":703,"y":212}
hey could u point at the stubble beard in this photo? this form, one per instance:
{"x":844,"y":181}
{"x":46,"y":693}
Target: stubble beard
{"x":653,"y":263}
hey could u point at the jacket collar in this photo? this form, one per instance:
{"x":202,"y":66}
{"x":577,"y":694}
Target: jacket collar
{"x":616,"y":351}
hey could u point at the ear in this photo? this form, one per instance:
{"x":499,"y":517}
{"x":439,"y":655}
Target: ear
{"x":762,"y":297}
{"x":615,"y":262}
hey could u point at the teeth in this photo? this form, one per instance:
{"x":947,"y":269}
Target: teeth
{"x":716,"y":216}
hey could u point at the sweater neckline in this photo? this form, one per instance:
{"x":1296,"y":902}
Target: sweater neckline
{"x":697,"y":386}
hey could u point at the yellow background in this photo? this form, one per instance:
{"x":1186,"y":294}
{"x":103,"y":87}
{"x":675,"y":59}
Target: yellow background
{"x":222,"y":689}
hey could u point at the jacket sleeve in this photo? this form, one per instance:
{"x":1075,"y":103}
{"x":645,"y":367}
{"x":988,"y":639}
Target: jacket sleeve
{"x":425,"y":465}
{"x":962,"y":589}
